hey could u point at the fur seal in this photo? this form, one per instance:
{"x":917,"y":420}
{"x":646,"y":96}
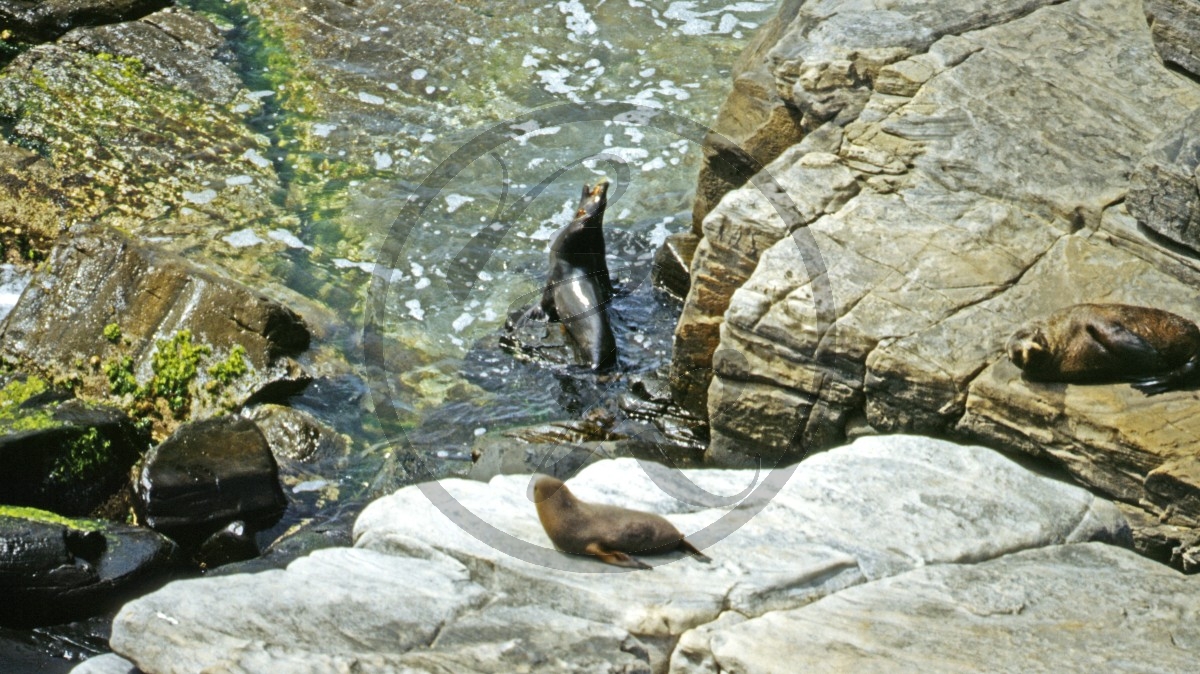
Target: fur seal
{"x":1153,"y":349}
{"x":579,"y":289}
{"x":608,"y":532}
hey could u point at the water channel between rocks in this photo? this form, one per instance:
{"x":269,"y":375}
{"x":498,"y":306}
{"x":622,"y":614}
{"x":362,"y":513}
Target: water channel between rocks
{"x":420,"y":86}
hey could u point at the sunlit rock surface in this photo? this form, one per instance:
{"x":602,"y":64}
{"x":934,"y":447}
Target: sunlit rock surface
{"x":975,"y":178}
{"x":459,"y":575}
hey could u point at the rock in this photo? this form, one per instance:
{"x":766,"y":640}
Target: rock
{"x":926,"y":230}
{"x":109,"y":663}
{"x":1067,"y":608}
{"x":60,"y":454}
{"x":1164,"y":194}
{"x":673,"y":262}
{"x":1175,"y":25}
{"x":139,"y":126}
{"x":234,"y":543}
{"x":813,"y":65}
{"x":176,"y":47}
{"x":367,"y":619}
{"x":43,"y":20}
{"x":296,"y":436}
{"x":55,"y":569}
{"x":164,"y":330}
{"x":207,"y":474}
{"x":872,"y":510}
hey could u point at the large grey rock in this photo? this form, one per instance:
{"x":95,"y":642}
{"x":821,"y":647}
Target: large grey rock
{"x":1066,"y":608}
{"x":812,"y":66}
{"x":483,"y":591}
{"x":977,"y":194}
{"x":109,"y":663}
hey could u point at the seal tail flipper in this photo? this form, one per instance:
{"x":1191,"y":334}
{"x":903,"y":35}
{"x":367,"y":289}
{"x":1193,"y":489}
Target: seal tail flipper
{"x":615,"y":557}
{"x":686,"y":546}
{"x":1171,"y":380}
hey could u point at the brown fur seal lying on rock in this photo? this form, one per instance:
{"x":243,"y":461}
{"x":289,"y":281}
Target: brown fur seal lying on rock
{"x":1154,"y":350}
{"x":608,"y":532}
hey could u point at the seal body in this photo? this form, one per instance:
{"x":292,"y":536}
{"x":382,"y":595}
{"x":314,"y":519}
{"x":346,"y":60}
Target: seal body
{"x":579,"y":289}
{"x":1153,"y":349}
{"x":608,"y":532}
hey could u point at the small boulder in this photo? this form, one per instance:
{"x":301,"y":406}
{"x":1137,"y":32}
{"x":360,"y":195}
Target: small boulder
{"x":206,"y":475}
{"x":296,"y":436}
{"x":54,"y":569}
{"x":62,"y":454}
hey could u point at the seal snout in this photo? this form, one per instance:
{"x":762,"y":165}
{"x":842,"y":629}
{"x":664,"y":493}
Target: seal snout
{"x":544,"y":488}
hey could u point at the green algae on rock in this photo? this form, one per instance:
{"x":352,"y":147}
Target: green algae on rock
{"x":62,"y":454}
{"x":99,"y":278}
{"x":137,"y":126}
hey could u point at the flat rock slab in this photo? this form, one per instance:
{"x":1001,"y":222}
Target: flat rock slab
{"x":1069,"y":608}
{"x":462,"y":571}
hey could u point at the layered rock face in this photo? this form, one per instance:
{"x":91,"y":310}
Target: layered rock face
{"x":964,"y":169}
{"x":459,"y":576}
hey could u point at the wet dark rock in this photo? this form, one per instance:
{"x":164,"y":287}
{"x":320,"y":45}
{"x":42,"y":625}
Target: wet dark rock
{"x":61,"y":454}
{"x":99,"y":281}
{"x":206,"y":475}
{"x":338,"y":399}
{"x":176,"y":46}
{"x":43,"y":20}
{"x":535,"y":340}
{"x":296,"y":436}
{"x":54,"y":569}
{"x":233,"y":543}
{"x":673,"y":262}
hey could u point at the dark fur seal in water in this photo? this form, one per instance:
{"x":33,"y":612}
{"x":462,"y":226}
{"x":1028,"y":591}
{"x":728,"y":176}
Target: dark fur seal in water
{"x":608,"y":532}
{"x":1153,"y":349}
{"x":579,"y":289}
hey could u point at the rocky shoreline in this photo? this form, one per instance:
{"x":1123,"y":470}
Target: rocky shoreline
{"x":957,"y":173}
{"x":948,"y":170}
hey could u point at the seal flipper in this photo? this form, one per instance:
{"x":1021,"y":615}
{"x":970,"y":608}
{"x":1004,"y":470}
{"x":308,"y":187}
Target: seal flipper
{"x":1162,"y":383}
{"x":686,"y":546}
{"x":615,"y":557}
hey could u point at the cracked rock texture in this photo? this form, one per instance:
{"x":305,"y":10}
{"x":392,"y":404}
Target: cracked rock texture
{"x":484,"y":591}
{"x":974,"y":177}
{"x":99,"y":277}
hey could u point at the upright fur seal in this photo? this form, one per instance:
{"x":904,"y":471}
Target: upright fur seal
{"x":608,"y":532}
{"x":579,"y":289}
{"x":1153,"y":349}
